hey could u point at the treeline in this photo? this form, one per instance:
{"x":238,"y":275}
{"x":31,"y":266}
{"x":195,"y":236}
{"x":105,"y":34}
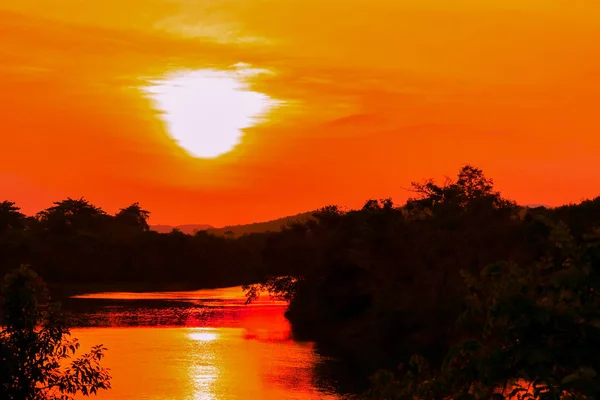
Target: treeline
{"x":378,"y":285}
{"x":78,"y":244}
{"x":462,"y":224}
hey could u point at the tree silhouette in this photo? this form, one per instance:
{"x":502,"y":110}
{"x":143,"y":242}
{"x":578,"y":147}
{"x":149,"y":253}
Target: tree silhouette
{"x":470,"y":187}
{"x":11,"y":217}
{"x":35,"y":346}
{"x":134,"y":216}
{"x":70,"y":215}
{"x":474,"y":184}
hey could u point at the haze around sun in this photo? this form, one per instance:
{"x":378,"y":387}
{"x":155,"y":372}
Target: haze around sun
{"x":205,"y":111}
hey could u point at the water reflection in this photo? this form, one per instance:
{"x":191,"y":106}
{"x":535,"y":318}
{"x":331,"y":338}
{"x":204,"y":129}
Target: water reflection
{"x":203,"y":335}
{"x":204,"y":377}
{"x":198,"y":349}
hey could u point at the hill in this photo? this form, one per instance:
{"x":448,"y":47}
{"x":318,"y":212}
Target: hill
{"x":257,"y":227}
{"x":536,"y":206}
{"x":190,"y":229}
{"x":237,"y":230}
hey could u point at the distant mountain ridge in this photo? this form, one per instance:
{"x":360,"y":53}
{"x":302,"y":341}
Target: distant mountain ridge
{"x":190,"y":229}
{"x":237,"y":230}
{"x":536,"y":206}
{"x":257,"y":227}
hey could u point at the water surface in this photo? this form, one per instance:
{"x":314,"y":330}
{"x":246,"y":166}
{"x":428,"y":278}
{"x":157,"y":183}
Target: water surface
{"x":197,"y":345}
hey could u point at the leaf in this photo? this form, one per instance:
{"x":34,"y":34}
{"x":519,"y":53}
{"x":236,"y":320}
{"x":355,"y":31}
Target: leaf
{"x":581,"y":374}
{"x":568,"y":277}
{"x":492,"y":270}
{"x":538,"y":357}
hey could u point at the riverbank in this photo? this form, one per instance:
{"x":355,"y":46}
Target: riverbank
{"x":62,"y":290}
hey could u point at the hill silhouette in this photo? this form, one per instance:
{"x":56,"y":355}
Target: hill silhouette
{"x":189,"y":229}
{"x":536,"y":205}
{"x":274,"y":225}
{"x":261,"y":227}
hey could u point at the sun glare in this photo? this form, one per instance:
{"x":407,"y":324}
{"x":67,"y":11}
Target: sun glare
{"x":206,"y":110}
{"x":203,"y":335}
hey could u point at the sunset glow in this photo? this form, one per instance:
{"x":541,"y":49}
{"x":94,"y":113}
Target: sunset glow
{"x":156,"y":102}
{"x":206,"y":110}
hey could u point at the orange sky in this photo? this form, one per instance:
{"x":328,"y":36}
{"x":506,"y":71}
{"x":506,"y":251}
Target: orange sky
{"x":377,"y":93}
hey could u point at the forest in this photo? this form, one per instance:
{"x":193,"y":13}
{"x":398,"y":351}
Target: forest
{"x":460,"y":293}
{"x":77,"y":247}
{"x":455,"y":293}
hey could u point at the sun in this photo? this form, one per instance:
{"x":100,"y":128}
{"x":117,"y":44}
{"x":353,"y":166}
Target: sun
{"x":205,"y":111}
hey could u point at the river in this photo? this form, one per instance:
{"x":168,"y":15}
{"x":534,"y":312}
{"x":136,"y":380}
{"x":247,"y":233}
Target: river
{"x":202,"y":345}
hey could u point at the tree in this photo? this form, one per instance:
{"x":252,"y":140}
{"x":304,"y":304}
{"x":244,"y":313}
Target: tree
{"x":36,"y":347}
{"x":134,"y":216}
{"x":71,"y":215}
{"x":472,"y":189}
{"x":12,"y":232}
{"x":10,"y":217}
{"x":474,"y":184}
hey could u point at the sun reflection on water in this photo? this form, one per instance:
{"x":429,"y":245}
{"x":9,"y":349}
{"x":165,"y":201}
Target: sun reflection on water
{"x":204,"y":378}
{"x":203,"y":335}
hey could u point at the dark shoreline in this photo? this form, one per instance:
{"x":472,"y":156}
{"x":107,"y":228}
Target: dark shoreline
{"x":61,"y":291}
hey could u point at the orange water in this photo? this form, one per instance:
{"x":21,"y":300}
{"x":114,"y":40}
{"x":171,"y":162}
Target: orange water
{"x":227,"y":351}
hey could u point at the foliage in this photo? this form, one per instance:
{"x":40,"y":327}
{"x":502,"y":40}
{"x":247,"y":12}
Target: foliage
{"x":382,"y":280}
{"x":75,"y":243}
{"x":530,"y":332}
{"x":71,"y":214}
{"x":280,"y":288}
{"x":134,"y":216}
{"x":36,"y":347}
{"x":471,"y":188}
{"x":10,"y":217}
{"x":375,"y":285}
